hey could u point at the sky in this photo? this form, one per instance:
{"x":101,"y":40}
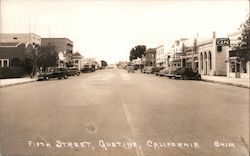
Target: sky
{"x":109,"y":29}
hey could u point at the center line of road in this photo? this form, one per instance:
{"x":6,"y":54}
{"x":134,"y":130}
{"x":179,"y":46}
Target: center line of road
{"x":131,"y":124}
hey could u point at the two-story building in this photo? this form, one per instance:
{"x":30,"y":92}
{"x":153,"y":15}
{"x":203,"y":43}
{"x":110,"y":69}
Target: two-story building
{"x":150,"y":57}
{"x":162,"y":56}
{"x":190,"y":54}
{"x":176,"y":53}
{"x":63,"y":46}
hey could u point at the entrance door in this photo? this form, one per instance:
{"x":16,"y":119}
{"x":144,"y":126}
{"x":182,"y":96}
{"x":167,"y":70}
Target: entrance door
{"x":237,"y":70}
{"x":205,"y":68}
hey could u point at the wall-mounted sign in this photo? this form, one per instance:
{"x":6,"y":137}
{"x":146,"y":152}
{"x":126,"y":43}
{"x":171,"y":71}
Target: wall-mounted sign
{"x":222,"y":42}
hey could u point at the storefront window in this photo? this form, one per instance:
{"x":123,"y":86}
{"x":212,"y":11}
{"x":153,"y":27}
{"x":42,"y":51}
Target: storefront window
{"x":5,"y":63}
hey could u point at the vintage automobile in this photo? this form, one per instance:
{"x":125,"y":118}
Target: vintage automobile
{"x":162,"y":72}
{"x":131,"y":69}
{"x":156,"y":70}
{"x":144,"y":69}
{"x":149,"y":70}
{"x":57,"y":72}
{"x":87,"y":69}
{"x":74,"y":71}
{"x":186,"y":73}
{"x":170,"y":72}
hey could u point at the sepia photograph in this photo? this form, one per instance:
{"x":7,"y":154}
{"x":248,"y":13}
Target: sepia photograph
{"x":124,"y":77}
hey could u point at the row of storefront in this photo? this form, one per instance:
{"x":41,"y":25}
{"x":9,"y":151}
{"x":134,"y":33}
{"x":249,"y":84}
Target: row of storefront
{"x":206,"y":56}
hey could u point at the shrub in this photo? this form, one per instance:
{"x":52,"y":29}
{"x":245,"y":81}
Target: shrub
{"x":11,"y":72}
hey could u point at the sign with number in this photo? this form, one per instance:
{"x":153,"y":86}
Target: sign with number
{"x":222,"y":42}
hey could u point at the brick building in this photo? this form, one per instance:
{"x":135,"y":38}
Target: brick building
{"x":14,"y":47}
{"x":13,"y":54}
{"x":63,"y":45}
{"x":150,"y":57}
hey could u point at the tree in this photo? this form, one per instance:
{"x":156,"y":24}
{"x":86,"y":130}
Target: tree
{"x":245,"y":27}
{"x":104,"y":63}
{"x":31,"y":58}
{"x":137,"y":51}
{"x":47,"y":56}
{"x":243,"y":48}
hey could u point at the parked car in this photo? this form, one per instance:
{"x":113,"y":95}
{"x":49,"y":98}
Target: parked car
{"x":74,"y":71}
{"x":87,"y":69}
{"x":131,"y":69}
{"x":186,"y":73}
{"x":149,"y":70}
{"x":54,"y":73}
{"x":144,"y":69}
{"x":156,"y":70}
{"x":163,"y":72}
{"x":170,"y":72}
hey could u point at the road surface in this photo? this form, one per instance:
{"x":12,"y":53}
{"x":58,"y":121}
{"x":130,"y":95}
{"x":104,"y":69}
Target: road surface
{"x":114,"y":113}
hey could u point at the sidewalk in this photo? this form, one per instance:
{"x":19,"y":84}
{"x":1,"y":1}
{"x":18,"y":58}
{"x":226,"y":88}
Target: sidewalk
{"x":245,"y":83}
{"x":15,"y":81}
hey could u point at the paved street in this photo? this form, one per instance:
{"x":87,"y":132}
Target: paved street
{"x":113,"y":113}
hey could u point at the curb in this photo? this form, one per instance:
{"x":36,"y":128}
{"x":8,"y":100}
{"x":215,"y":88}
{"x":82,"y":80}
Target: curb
{"x":17,"y":83}
{"x":228,"y":83}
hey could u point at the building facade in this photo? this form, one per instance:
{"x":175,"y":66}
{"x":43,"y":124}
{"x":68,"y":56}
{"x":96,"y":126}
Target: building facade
{"x":63,"y":45}
{"x":20,"y":38}
{"x":150,"y":57}
{"x":176,"y":53}
{"x":162,"y":56}
{"x":211,"y":57}
{"x":14,"y":54}
{"x":189,"y":57}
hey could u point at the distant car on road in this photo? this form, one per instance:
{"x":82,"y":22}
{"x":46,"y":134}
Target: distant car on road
{"x":131,"y":69}
{"x":57,"y":72}
{"x":87,"y":69}
{"x":74,"y":71}
{"x":186,"y":73}
{"x":111,"y":66}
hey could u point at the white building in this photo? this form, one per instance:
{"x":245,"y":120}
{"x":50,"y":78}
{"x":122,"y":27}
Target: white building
{"x":176,"y":53}
{"x":163,"y":56}
{"x":211,"y":57}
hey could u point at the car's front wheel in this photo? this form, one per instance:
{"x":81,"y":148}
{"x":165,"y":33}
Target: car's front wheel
{"x":65,"y":76}
{"x":198,"y":77}
{"x":46,"y":78}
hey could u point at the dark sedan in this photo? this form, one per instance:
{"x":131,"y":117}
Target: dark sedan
{"x":156,"y":70}
{"x":54,"y":73}
{"x":186,"y":73}
{"x":74,"y":71}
